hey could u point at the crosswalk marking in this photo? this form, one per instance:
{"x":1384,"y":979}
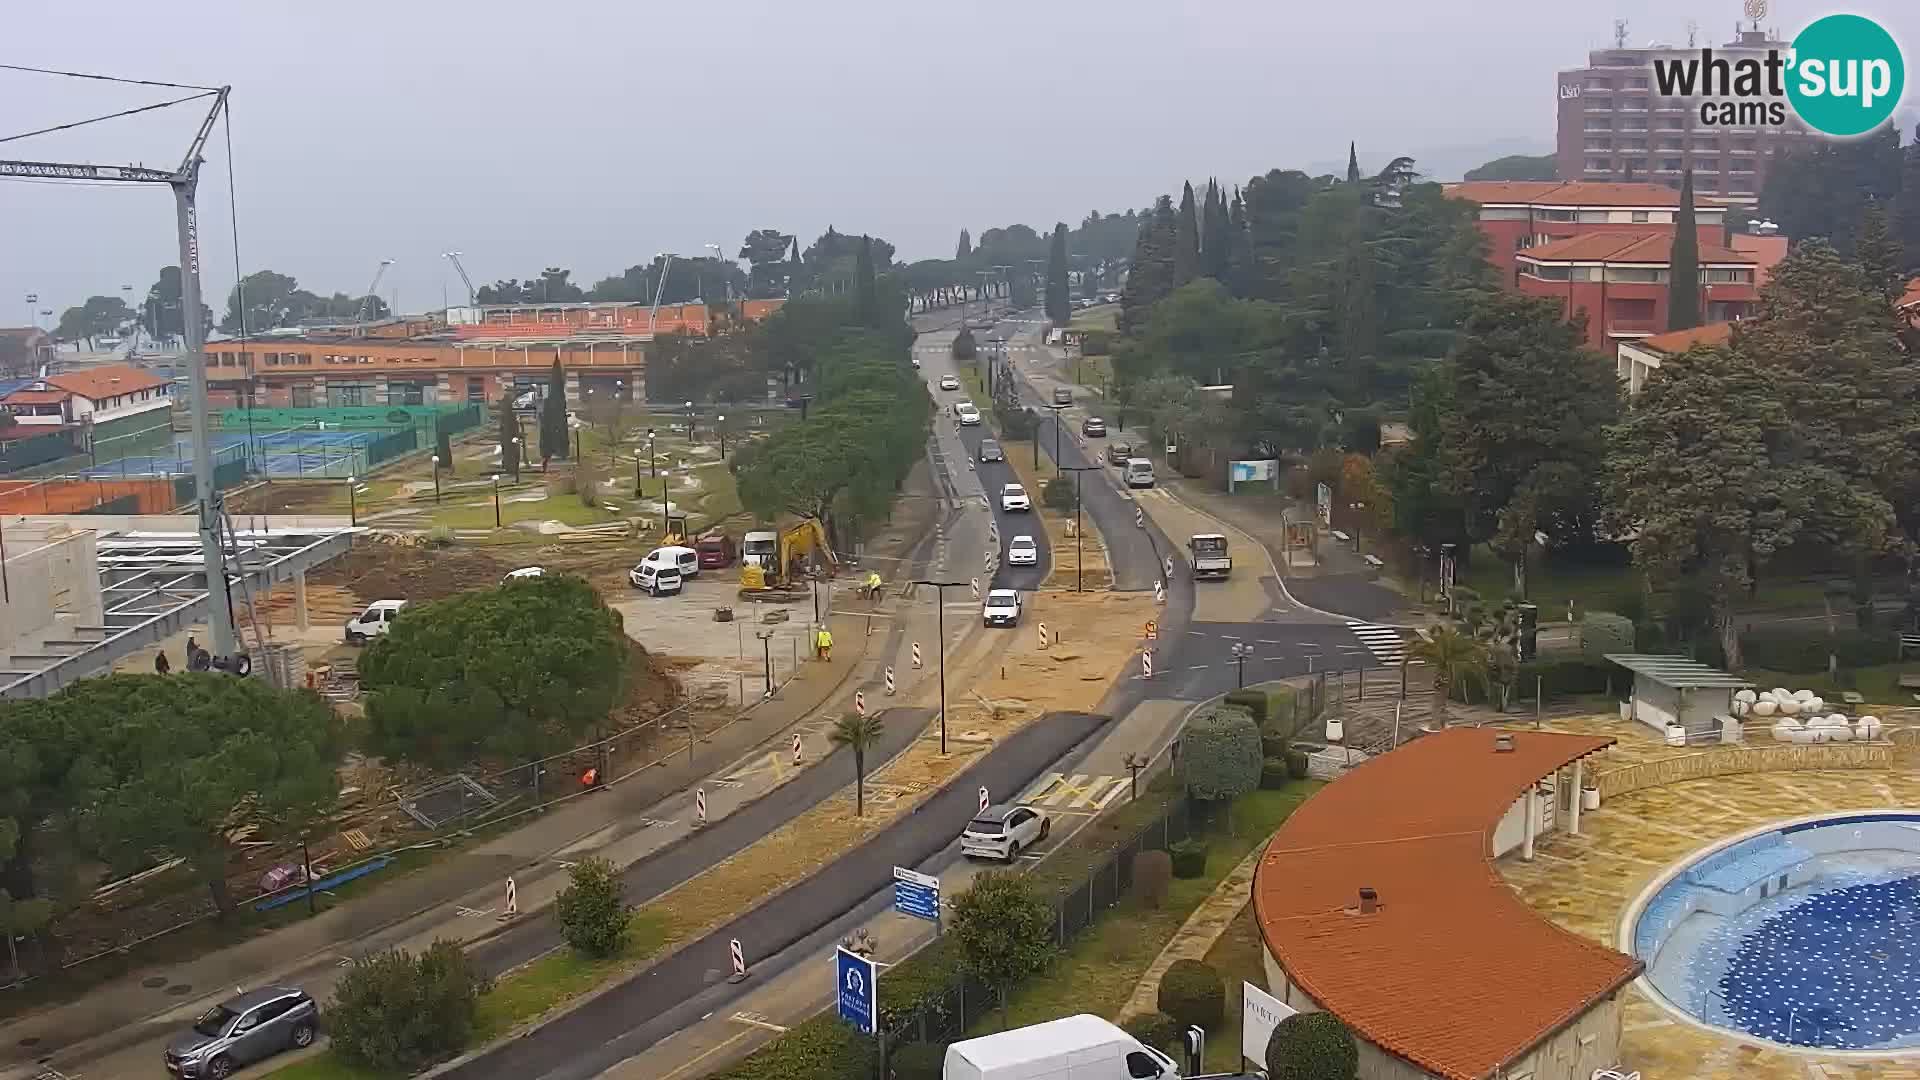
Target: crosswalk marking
{"x":1387,"y":644}
{"x":1076,"y":792}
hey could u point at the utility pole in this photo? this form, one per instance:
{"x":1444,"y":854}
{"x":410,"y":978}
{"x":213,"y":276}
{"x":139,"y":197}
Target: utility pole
{"x":1078,"y":574}
{"x":940,"y":609}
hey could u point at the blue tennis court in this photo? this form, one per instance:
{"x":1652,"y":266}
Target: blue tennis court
{"x":278,"y":453}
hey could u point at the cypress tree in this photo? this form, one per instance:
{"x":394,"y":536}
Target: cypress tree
{"x":1059,"y":307}
{"x":1353,"y":164}
{"x":1683,"y":274}
{"x":1906,"y":216}
{"x":965,"y":248}
{"x":1878,"y":252}
{"x":1150,"y":275}
{"x":865,"y":298}
{"x":1186,"y":251}
{"x":553,"y":415}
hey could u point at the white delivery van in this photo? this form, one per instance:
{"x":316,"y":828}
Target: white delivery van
{"x":1139,"y":472}
{"x":760,"y":548}
{"x":373,"y":622}
{"x":1080,"y":1047}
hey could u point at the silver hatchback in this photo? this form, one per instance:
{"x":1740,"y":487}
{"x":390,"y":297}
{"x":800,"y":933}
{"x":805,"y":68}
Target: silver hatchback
{"x":243,"y":1030}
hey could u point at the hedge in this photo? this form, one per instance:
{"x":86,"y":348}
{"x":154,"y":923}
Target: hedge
{"x":1255,"y":702}
{"x":1189,"y":858}
{"x":822,"y":1048}
{"x":917,"y":1061}
{"x":1192,"y":992}
{"x":1158,"y":1030}
{"x":1805,"y":651}
{"x":1275,"y":773}
{"x":1562,"y":678}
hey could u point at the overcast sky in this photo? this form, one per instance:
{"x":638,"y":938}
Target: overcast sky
{"x":591,"y":134}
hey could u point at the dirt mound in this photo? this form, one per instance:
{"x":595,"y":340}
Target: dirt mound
{"x":380,"y":571}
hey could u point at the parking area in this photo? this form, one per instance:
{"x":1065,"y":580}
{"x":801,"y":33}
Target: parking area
{"x":710,"y":652}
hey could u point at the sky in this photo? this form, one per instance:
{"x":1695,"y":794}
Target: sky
{"x":592,"y":134}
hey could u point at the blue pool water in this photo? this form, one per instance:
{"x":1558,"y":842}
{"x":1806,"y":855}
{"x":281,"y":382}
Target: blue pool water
{"x":1828,"y":957}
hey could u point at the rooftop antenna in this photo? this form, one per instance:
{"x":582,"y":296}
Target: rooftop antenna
{"x":1693,"y":32}
{"x":1619,"y":33}
{"x":1756,"y":10}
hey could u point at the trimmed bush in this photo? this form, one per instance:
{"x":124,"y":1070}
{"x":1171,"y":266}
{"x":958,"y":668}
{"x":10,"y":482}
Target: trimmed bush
{"x":822,"y":1048}
{"x":1160,"y":1031}
{"x":1220,"y":754}
{"x":917,"y":1061}
{"x":1192,"y":993}
{"x":1057,"y":493}
{"x":1603,"y":632}
{"x":1275,"y":745}
{"x":1189,"y":858}
{"x":1312,"y":1046}
{"x":1255,"y":702}
{"x":1298,"y":764}
{"x":1275,"y":773}
{"x":397,"y":1012}
{"x":1152,"y":872}
{"x":592,"y":910}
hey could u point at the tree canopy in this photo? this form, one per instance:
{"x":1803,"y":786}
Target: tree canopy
{"x":98,"y":316}
{"x":1517,"y":167}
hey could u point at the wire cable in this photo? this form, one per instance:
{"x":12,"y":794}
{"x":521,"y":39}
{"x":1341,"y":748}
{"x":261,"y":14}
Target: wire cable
{"x":104,"y":78}
{"x":109,"y":116}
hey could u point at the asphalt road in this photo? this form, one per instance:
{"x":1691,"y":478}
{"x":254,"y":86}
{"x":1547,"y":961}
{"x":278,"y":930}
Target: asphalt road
{"x":633,"y":1016}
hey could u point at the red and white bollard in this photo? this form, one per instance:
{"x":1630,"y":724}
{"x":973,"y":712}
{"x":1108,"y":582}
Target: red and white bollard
{"x":916,"y":656}
{"x":1146,"y":663}
{"x":513,"y":901}
{"x":796,"y":748}
{"x":739,"y":959}
{"x":890,"y":686}
{"x":700,"y":808}
{"x":984,"y":800}
{"x":860,"y":702}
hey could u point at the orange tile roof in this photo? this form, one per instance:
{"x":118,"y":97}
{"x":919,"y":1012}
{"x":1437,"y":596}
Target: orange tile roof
{"x":1572,"y":193}
{"x":36,"y":397}
{"x":1675,"y":342}
{"x":107,"y":380}
{"x":1453,"y":972}
{"x":1626,"y":247}
{"x":1911,"y":298}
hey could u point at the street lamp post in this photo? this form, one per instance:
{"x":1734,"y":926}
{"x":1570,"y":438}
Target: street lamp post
{"x":353,"y":504}
{"x":1241,"y":653}
{"x":1076,"y":470}
{"x":766,"y":657}
{"x":690,"y":438}
{"x":436,"y":479}
{"x":720,"y":427}
{"x":940,"y":615}
{"x":496,"y":500}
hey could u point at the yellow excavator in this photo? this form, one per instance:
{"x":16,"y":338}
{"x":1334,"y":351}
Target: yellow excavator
{"x":776,"y":566}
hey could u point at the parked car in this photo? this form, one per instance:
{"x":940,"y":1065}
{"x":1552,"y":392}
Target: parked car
{"x":1013,"y":499}
{"x":373,"y":622}
{"x":1001,"y":831}
{"x":656,"y":579}
{"x":523,"y":574}
{"x":990,"y":451}
{"x":969,"y":416}
{"x":1022,"y":551}
{"x":242,"y":1030}
{"x":1139,"y":472}
{"x":1093,"y":428}
{"x":717,"y":550}
{"x":1119,"y":452}
{"x":1002,"y":608}
{"x":949,"y":382}
{"x":684,"y":559}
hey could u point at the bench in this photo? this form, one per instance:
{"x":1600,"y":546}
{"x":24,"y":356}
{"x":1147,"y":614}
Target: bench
{"x":1372,"y":561}
{"x":1910,"y":682}
{"x":1340,"y":536}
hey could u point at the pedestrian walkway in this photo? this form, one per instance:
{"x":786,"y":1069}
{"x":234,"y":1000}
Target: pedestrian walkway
{"x":1388,"y":644}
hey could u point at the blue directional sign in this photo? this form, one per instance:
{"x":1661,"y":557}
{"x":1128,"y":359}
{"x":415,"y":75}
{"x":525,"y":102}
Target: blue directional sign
{"x":856,"y":989}
{"x":916,"y":894}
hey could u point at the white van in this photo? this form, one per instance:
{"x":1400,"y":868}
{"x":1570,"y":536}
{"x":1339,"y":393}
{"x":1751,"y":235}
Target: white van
{"x":373,"y":622}
{"x":1080,"y":1047}
{"x":759,"y":548}
{"x":1139,"y":472}
{"x":684,"y":559}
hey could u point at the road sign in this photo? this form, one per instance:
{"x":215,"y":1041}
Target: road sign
{"x":1153,"y":630}
{"x":513,"y":901}
{"x":1167,"y":565}
{"x":1043,"y":635}
{"x":890,"y":680}
{"x":700,"y":805}
{"x":985,"y":801}
{"x":916,"y":656}
{"x":1159,"y":593}
{"x":916,"y":894}
{"x":853,"y":979}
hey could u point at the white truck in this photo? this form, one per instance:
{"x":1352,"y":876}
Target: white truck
{"x":1080,"y":1047}
{"x":373,"y":622}
{"x":1208,"y":554}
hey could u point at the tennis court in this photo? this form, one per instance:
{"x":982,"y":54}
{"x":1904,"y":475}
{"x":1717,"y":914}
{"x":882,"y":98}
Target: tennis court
{"x":279,"y":453}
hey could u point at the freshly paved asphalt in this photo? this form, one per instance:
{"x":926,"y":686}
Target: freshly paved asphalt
{"x":667,"y":996}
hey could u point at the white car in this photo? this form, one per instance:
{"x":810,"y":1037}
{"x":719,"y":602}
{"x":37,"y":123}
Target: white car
{"x":684,"y":559}
{"x":373,"y":622}
{"x":1022,"y":551}
{"x":969,"y":416}
{"x":1013,"y":498}
{"x":1001,"y":832}
{"x":522,"y":574}
{"x":949,"y":382}
{"x":1002,"y":608}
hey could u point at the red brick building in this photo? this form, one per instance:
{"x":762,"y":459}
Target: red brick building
{"x":1516,"y":215}
{"x":1619,"y":281}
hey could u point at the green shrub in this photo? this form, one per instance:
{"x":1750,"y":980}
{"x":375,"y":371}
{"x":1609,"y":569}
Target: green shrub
{"x":1275,"y":773}
{"x":1603,"y":632}
{"x":1152,"y":871}
{"x":822,"y":1048}
{"x":917,"y":1061}
{"x":1095,"y":343}
{"x":1312,"y":1046}
{"x":1255,"y":702}
{"x":1220,"y":753}
{"x":440,"y":536}
{"x":1057,"y":493}
{"x":1192,"y":993}
{"x":1804,"y":651}
{"x":1563,"y":678}
{"x":592,"y":910}
{"x":397,"y":1012}
{"x":1160,"y":1031}
{"x":1298,"y":764}
{"x":1189,"y":858}
{"x":1274,"y":745}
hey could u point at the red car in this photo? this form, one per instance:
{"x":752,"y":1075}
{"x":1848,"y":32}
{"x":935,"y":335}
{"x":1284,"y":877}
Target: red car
{"x":716,"y":550}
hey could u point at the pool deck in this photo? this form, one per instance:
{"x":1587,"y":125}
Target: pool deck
{"x":1586,"y":883}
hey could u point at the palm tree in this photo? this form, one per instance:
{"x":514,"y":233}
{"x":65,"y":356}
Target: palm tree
{"x":859,"y":734}
{"x":1456,"y":659}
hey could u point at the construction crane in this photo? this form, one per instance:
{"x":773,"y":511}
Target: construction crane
{"x":659,"y":290}
{"x":373,"y":290}
{"x":473,"y":299}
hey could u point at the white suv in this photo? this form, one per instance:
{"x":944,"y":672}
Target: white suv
{"x":1014,"y":497}
{"x":1001,"y":609}
{"x":1022,"y":551}
{"x":1000,"y":832}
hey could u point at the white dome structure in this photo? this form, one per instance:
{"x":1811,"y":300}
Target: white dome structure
{"x":1765,"y":707}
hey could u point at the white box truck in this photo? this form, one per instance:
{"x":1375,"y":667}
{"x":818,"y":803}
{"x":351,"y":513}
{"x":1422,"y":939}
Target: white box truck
{"x":1083,"y":1047}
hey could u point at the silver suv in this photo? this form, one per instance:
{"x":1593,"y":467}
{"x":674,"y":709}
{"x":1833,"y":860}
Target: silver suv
{"x":243,"y":1030}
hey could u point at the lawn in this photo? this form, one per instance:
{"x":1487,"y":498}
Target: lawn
{"x":1597,"y":588}
{"x":1100,"y":317}
{"x":1099,"y":970}
{"x":557,"y":507}
{"x":1237,"y":957}
{"x":1879,"y":684}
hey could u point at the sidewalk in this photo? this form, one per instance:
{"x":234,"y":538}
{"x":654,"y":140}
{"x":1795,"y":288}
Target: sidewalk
{"x":454,"y":897}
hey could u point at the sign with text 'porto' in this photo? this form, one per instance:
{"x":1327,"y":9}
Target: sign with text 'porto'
{"x":916,"y":894}
{"x":858,"y":996}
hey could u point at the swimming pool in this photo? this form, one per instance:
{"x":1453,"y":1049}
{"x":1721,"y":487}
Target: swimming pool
{"x":1805,"y":933}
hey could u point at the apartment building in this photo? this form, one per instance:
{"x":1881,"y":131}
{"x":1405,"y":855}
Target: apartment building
{"x":1516,"y":215}
{"x":1619,"y":283}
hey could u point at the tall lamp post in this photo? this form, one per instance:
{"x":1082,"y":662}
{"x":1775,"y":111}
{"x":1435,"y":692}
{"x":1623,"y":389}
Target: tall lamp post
{"x":436,"y":479}
{"x":1076,"y":470}
{"x":720,"y":427}
{"x":496,"y":500}
{"x":1242,"y":652}
{"x":940,"y":614}
{"x":353,"y":503}
{"x":766,"y":656}
{"x":690,"y":439}
{"x":1056,"y":438}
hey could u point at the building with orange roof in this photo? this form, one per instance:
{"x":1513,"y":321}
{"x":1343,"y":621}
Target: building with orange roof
{"x":116,"y":404}
{"x":1519,"y":214}
{"x":1379,"y":901}
{"x":1638,"y":359}
{"x":1619,"y":282}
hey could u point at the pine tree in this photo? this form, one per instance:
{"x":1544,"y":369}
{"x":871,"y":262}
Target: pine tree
{"x":1150,"y":275}
{"x":1240,"y":275}
{"x":1186,"y":251}
{"x":1683,"y":274}
{"x":553,"y":415}
{"x":1353,"y":163}
{"x":866,"y":301}
{"x":1878,"y":252}
{"x":1059,"y":299}
{"x":965,"y":248}
{"x":796,"y":269}
{"x":1907,"y":212}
